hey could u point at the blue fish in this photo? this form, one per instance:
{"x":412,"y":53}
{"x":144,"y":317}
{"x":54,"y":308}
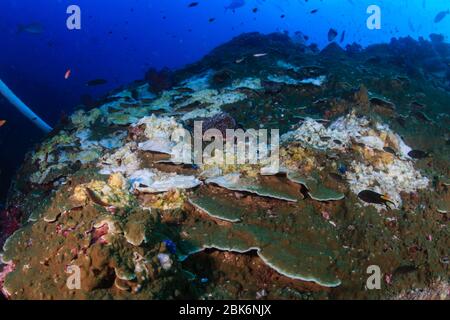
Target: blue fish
{"x":171,"y":246}
{"x":342,"y":169}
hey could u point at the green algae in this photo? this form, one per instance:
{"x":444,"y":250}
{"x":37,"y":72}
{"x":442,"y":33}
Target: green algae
{"x":259,"y":187}
{"x":305,"y":250}
{"x":218,"y":208}
{"x":316,"y":189}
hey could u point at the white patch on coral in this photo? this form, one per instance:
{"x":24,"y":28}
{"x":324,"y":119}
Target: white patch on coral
{"x":165,"y":261}
{"x":249,"y":83}
{"x":158,"y":131}
{"x":152,"y":181}
{"x":384,"y":178}
{"x":198,"y":83}
{"x":143,"y":92}
{"x":346,"y":130}
{"x":390,"y":179}
{"x":124,"y":160}
{"x":113,"y":142}
{"x":213,"y":101}
{"x":125,"y":94}
{"x":319,"y":81}
{"x":287,"y":66}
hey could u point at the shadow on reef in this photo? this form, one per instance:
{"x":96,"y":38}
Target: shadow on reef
{"x":363,"y":180}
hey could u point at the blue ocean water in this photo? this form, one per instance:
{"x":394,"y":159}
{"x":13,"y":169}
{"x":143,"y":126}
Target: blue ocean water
{"x":120,"y":40}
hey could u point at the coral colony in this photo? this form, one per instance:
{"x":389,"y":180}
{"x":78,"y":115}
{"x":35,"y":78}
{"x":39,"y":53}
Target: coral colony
{"x":267,"y":170}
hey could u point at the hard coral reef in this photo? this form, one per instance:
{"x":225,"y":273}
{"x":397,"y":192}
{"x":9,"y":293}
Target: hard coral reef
{"x":363,"y":180}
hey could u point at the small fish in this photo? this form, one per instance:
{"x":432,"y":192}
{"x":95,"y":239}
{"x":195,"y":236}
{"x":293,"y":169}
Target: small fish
{"x":374,"y":197}
{"x":33,"y":28}
{"x":342,"y":169}
{"x":441,"y":15}
{"x":235,"y":4}
{"x":255,"y":10}
{"x":2,"y":123}
{"x":240,"y":60}
{"x":211,"y":20}
{"x":314,"y":11}
{"x":342,"y":37}
{"x":96,"y":82}
{"x":418,"y":154}
{"x":259,"y":55}
{"x":67,"y":74}
{"x":170,"y":245}
{"x":332,"y":34}
{"x":404,"y":270}
{"x":193,"y":4}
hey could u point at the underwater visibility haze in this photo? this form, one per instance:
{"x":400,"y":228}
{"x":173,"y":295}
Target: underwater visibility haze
{"x":226,"y":149}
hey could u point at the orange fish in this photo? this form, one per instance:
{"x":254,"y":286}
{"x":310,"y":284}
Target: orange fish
{"x":2,"y":123}
{"x":67,"y":74}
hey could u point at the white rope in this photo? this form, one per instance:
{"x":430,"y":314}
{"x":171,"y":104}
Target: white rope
{"x":27,"y":112}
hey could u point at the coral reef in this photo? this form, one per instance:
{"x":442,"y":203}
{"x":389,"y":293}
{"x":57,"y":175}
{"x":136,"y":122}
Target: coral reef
{"x":362,"y":180}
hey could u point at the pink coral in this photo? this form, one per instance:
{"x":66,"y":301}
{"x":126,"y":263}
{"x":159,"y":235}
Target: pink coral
{"x":9,"y":222}
{"x":8,"y":268}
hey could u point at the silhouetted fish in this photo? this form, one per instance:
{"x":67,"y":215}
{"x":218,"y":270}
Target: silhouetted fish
{"x":96,"y":82}
{"x":418,"y":154}
{"x":440,"y":16}
{"x":374,"y":197}
{"x":235,"y":4}
{"x":34,"y":28}
{"x":332,"y":34}
{"x":342,"y":36}
{"x":193,"y":4}
{"x":404,"y":270}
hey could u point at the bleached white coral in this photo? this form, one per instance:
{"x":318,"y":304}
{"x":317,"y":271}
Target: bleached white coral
{"x":124,"y":160}
{"x":391,"y":179}
{"x":213,"y":99}
{"x":158,"y":131}
{"x":346,"y":130}
{"x":199,"y":82}
{"x":153,"y":181}
{"x":287,"y":66}
{"x":319,"y":81}
{"x":249,"y":83}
